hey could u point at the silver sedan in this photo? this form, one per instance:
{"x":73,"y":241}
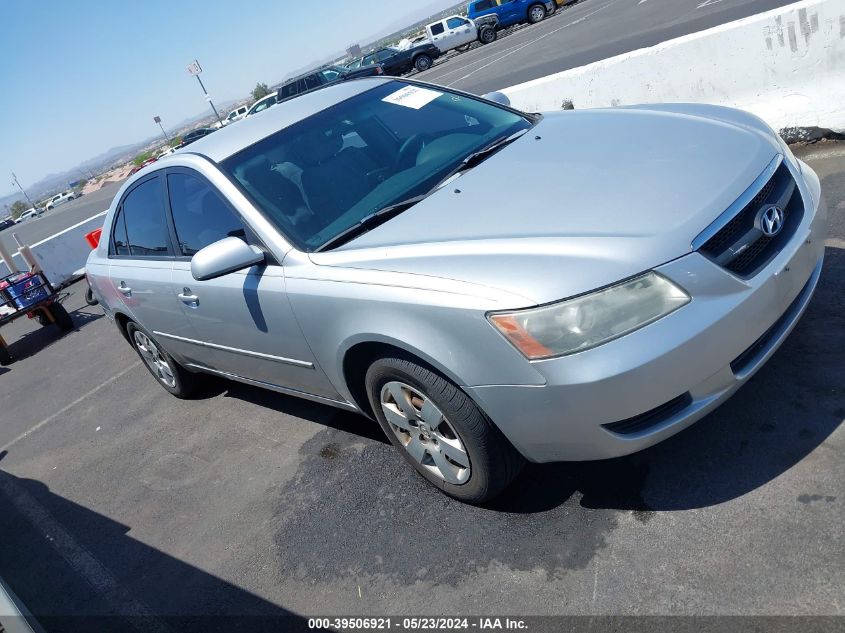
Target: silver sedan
{"x":490,"y":286}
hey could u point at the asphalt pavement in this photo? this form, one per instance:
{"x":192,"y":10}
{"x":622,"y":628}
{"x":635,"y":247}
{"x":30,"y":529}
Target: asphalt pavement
{"x":583,"y":33}
{"x":120,"y":501}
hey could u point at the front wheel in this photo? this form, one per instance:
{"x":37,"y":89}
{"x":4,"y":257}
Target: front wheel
{"x":440,"y":431}
{"x":536,"y":13}
{"x":423,"y":63}
{"x":60,"y":317}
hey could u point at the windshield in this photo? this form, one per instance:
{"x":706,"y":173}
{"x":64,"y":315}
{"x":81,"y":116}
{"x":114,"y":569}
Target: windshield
{"x":316,"y":179}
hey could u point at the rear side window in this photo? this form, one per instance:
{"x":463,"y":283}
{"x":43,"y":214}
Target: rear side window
{"x":311,"y":81}
{"x":483,"y":5}
{"x":200,"y":216}
{"x":289,"y":90}
{"x":144,"y":220}
{"x":437,"y":29}
{"x":120,"y":244}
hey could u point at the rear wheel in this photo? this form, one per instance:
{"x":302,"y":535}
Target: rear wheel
{"x":168,"y":373}
{"x":423,"y":62}
{"x":440,"y":431}
{"x":536,"y":13}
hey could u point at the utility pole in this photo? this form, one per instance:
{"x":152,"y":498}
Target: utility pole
{"x":15,"y":181}
{"x":157,"y":119}
{"x":195,"y":69}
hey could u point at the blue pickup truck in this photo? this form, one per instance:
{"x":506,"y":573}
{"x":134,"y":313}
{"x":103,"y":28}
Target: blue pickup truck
{"x":511,"y":12}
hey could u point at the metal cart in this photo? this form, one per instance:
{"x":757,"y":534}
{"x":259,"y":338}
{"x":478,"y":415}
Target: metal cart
{"x":31,"y":295}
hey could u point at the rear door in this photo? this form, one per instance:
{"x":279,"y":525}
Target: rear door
{"x":439,"y":37}
{"x":459,"y":31}
{"x":243,"y":324}
{"x":141,"y":261}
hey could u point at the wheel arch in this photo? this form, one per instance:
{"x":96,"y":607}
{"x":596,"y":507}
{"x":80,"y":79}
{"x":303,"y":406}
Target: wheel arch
{"x":359,"y":355}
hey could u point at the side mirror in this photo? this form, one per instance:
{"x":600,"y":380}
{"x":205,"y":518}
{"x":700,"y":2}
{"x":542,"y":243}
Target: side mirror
{"x":224,"y":257}
{"x":498,"y":97}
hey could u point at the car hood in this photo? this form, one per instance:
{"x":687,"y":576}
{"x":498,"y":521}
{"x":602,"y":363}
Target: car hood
{"x":585,"y":199}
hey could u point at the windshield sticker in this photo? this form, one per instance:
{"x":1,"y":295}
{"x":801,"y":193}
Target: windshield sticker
{"x":412,"y":97}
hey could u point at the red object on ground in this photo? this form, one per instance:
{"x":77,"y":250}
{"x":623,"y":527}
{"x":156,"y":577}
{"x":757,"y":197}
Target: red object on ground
{"x":94,"y":237}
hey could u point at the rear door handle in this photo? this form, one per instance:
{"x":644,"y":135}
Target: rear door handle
{"x":188,"y":298}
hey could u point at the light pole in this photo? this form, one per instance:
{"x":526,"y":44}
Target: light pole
{"x":157,"y":119}
{"x":195,"y":69}
{"x":15,"y":180}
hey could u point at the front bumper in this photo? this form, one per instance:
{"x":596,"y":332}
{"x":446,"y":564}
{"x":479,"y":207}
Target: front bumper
{"x":693,"y":359}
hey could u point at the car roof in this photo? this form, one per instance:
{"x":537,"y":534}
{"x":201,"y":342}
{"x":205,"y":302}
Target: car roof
{"x":232,"y":139}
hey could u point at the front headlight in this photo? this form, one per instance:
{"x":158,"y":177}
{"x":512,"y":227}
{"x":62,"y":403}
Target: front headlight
{"x":590,"y":320}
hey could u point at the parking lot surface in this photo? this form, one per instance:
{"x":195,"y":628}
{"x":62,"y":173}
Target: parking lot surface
{"x":583,"y":33}
{"x":118,"y":500}
{"x":52,"y":222}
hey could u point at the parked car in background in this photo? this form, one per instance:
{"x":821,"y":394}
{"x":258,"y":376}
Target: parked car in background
{"x":195,"y":135}
{"x":356,"y":247}
{"x":32,"y":212}
{"x":262,"y":104}
{"x":140,"y":166}
{"x":236,"y":115}
{"x":322,"y":77}
{"x":457,"y":32}
{"x":5,"y":223}
{"x":396,"y":62}
{"x":510,"y":12}
{"x":60,"y":199}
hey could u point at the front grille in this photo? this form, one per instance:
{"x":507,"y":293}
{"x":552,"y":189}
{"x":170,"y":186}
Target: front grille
{"x":650,"y":418}
{"x":740,"y":245}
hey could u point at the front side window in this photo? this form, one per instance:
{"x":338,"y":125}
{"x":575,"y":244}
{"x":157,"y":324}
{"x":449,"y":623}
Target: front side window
{"x":369,"y":60}
{"x":386,"y":54}
{"x":330,"y":74}
{"x":200,"y":216}
{"x":456,"y":23}
{"x":380,"y":147}
{"x":144,"y":220}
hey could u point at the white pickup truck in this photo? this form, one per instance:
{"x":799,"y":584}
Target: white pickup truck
{"x":459,"y":32}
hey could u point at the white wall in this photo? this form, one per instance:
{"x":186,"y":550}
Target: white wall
{"x":62,"y":255}
{"x":786,"y":66}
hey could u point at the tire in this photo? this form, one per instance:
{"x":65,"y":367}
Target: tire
{"x":536,"y":13}
{"x":90,"y":299}
{"x":423,"y":62}
{"x":446,"y":437}
{"x":487,"y":35}
{"x":5,"y":357}
{"x":61,"y":318}
{"x":170,"y":376}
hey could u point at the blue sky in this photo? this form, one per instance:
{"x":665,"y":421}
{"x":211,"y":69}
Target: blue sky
{"x":80,"y":77}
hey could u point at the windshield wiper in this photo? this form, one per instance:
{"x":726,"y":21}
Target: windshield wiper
{"x":371,"y":221}
{"x":485,"y":152}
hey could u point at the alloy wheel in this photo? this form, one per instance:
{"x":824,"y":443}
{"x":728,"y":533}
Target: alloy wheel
{"x":425,"y":433}
{"x":154,"y":359}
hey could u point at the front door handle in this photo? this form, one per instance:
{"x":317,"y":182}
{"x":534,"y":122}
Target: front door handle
{"x":189,"y":298}
{"x":126,"y":290}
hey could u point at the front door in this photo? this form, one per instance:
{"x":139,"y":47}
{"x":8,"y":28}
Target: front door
{"x":242,"y":322}
{"x":459,"y":32}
